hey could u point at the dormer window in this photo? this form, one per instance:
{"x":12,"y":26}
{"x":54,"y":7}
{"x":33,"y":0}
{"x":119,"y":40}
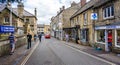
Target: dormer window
{"x":108,"y":12}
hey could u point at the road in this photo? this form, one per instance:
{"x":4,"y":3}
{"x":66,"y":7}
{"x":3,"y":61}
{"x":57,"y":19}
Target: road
{"x":55,"y":52}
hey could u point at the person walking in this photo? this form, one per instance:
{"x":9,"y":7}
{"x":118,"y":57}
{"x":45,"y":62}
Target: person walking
{"x":40,"y":36}
{"x":29,"y":37}
{"x":12,"y":43}
{"x":35,"y":37}
{"x":67,"y":37}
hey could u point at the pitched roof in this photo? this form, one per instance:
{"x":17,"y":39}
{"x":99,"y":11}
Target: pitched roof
{"x":101,"y":2}
{"x":2,"y":7}
{"x":85,"y":7}
{"x":25,"y":13}
{"x":14,"y":10}
{"x":40,"y":25}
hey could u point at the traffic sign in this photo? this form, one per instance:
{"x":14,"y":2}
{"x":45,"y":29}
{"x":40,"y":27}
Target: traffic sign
{"x":94,"y":16}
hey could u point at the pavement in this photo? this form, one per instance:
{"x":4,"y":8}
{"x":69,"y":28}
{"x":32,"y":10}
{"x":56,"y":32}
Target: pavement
{"x":18,"y":56}
{"x":21,"y":53}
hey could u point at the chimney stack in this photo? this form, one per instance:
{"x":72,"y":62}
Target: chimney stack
{"x":35,"y":12}
{"x":63,"y":7}
{"x":83,"y":2}
{"x":20,"y":9}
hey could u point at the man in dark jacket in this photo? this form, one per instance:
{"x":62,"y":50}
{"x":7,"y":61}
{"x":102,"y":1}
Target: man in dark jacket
{"x":29,"y":37}
{"x":40,"y":35}
{"x":12,"y":43}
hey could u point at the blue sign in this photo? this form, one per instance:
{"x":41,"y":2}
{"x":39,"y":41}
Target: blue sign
{"x":94,"y":16}
{"x":7,"y":29}
{"x":108,"y":27}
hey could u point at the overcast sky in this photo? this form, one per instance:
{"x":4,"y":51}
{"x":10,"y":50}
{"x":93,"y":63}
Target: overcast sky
{"x":46,"y":8}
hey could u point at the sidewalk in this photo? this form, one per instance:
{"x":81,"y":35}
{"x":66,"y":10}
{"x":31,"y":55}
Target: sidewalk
{"x":17,"y":57}
{"x":112,"y":57}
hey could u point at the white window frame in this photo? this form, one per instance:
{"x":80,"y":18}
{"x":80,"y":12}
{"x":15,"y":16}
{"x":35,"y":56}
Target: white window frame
{"x":85,"y":18}
{"x":111,"y":16}
{"x":96,"y":38}
{"x":116,"y":38}
{"x":5,"y":20}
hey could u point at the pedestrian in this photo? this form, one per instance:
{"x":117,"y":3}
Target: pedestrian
{"x":12,"y":43}
{"x":29,"y":38}
{"x":35,"y":37}
{"x":110,"y":41}
{"x":67,"y":37}
{"x":40,"y":36}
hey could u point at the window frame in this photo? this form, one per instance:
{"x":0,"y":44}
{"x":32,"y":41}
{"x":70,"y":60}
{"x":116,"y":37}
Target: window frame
{"x":108,"y":12}
{"x":116,"y":38}
{"x":6,"y":19}
{"x":96,"y":34}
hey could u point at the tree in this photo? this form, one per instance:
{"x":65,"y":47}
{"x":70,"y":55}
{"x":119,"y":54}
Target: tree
{"x":12,"y":1}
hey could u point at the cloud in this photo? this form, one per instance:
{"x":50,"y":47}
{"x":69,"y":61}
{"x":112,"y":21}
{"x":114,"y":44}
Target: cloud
{"x":45,"y":8}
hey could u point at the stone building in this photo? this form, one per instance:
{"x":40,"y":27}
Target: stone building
{"x":62,"y":20}
{"x":81,"y":23}
{"x":47,"y":29}
{"x":18,"y":22}
{"x":108,"y":24}
{"x":40,"y":28}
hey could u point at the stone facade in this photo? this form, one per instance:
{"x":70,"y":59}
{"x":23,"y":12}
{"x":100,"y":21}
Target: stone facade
{"x":47,"y":29}
{"x":108,"y":20}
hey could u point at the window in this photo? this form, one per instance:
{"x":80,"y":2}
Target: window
{"x":101,"y":36}
{"x":118,"y":37}
{"x":27,"y":20}
{"x":85,"y":18}
{"x":108,"y":12}
{"x":6,"y":19}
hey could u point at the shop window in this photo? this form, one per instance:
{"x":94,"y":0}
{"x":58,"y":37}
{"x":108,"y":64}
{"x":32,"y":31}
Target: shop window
{"x":118,"y":37}
{"x":101,"y":36}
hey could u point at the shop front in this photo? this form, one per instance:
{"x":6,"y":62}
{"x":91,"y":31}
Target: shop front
{"x":108,"y":36}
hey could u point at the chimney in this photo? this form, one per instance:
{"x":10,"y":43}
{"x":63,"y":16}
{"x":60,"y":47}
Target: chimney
{"x":63,"y":7}
{"x":83,"y":2}
{"x":60,"y":9}
{"x":73,"y":4}
{"x":8,"y":5}
{"x":35,"y":12}
{"x":20,"y":9}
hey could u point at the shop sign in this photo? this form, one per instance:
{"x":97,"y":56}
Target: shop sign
{"x":7,"y":29}
{"x":108,"y":27}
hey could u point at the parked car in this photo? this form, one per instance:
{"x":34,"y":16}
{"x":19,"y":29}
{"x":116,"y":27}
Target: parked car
{"x":47,"y":36}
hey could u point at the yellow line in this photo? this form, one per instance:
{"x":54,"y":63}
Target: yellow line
{"x":26,"y":59}
{"x":91,"y":55}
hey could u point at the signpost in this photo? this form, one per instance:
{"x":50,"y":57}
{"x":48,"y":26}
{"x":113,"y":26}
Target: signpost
{"x":7,"y":29}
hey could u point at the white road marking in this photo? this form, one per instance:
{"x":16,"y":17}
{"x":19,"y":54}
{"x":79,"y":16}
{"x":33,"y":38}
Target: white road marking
{"x":26,"y":59}
{"x":91,"y":55}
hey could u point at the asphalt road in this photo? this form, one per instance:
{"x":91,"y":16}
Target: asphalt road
{"x":55,"y":52}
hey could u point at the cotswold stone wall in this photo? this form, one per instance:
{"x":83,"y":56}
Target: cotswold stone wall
{"x":4,"y":45}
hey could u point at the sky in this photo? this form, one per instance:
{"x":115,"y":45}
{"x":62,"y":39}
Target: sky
{"x":46,"y":8}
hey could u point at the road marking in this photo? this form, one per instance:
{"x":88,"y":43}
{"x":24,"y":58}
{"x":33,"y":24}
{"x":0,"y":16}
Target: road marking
{"x":26,"y":59}
{"x":90,"y":55}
